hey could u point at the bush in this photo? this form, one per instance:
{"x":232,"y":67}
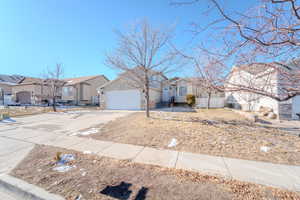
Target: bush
{"x":229,"y":105}
{"x":191,"y":99}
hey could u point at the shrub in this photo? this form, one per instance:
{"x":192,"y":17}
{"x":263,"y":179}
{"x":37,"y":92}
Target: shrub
{"x":191,"y":99}
{"x":229,"y":105}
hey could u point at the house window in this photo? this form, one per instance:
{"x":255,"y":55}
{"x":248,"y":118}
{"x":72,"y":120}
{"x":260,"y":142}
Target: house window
{"x":68,"y":91}
{"x":182,"y":91}
{"x":65,"y":90}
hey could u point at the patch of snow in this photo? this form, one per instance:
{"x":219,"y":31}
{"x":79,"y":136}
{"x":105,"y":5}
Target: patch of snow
{"x":91,"y":131}
{"x":74,"y":134}
{"x":83,"y":172}
{"x":88,"y":132}
{"x":172,"y":143}
{"x":65,"y":158}
{"x":264,"y":149}
{"x":8,"y":120}
{"x":63,"y":168}
{"x":77,"y":111}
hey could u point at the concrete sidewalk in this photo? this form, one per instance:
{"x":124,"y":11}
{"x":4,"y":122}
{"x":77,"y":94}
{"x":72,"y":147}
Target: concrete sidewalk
{"x":7,"y":196}
{"x":12,"y":152}
{"x":282,"y":176}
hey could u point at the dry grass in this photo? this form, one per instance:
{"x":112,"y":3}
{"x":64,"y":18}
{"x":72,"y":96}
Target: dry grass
{"x":226,"y":134}
{"x":22,"y":111}
{"x":93,"y":174}
{"x":18,"y":111}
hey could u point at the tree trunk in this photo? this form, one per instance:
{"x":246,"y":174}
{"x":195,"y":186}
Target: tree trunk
{"x":54,"y":104}
{"x":147,"y":99}
{"x":208,"y":100}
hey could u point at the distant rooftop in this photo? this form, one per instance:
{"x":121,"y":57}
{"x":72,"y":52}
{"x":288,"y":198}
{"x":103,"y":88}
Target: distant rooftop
{"x":73,"y":81}
{"x":13,"y":79}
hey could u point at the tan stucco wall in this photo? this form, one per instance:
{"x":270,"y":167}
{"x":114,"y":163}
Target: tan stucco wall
{"x":38,"y":92}
{"x":95,"y":83}
{"x":84,"y":92}
{"x":120,"y":84}
{"x":155,"y":98}
{"x":29,"y":88}
{"x":68,"y":97}
{"x":6,"y":88}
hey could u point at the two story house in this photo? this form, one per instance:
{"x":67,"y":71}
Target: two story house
{"x":258,"y":76}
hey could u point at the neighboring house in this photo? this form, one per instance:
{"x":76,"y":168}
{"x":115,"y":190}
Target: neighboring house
{"x":31,"y":91}
{"x":257,"y":75}
{"x":178,"y":88}
{"x":6,"y":84}
{"x":82,"y":90}
{"x":124,"y":94}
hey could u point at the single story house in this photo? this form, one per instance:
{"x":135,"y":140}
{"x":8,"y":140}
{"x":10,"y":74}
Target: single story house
{"x":258,"y":75}
{"x":6,"y":84}
{"x":31,"y":91}
{"x":124,"y":94}
{"x":82,"y":90}
{"x":179,"y":88}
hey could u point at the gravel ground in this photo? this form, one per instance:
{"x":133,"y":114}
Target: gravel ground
{"x":97,"y":177}
{"x":216,"y":132}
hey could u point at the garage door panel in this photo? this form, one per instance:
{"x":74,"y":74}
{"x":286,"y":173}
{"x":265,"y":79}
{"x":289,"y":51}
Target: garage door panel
{"x":123,"y":100}
{"x":24,"y":97}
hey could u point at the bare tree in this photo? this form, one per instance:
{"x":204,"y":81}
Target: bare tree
{"x":266,"y":36}
{"x":143,"y":53}
{"x":54,"y":84}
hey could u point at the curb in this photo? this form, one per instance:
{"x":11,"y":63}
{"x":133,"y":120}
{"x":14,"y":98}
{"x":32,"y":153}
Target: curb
{"x":24,"y":190}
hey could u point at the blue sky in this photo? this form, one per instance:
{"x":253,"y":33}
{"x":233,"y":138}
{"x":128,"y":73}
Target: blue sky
{"x":37,"y":34}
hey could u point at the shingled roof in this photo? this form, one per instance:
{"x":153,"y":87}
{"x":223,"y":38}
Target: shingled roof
{"x":74,"y":81}
{"x":11,"y":79}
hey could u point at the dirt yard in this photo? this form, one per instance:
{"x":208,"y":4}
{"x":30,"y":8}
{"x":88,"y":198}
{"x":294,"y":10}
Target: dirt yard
{"x":103,"y":178}
{"x":17,"y":111}
{"x":216,"y":132}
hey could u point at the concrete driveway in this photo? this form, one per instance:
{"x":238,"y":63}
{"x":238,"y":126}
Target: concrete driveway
{"x":62,"y":122}
{"x":18,"y":135}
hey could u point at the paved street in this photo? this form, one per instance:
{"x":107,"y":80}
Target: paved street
{"x":7,"y":196}
{"x":17,"y":139}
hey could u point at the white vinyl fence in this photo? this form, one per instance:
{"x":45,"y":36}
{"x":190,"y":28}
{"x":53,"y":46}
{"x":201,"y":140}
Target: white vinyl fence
{"x":215,"y":102}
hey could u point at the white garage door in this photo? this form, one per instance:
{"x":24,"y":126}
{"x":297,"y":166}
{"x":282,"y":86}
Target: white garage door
{"x":123,"y":100}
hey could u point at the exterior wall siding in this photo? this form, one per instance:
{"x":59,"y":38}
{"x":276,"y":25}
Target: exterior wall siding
{"x":7,"y":89}
{"x":39,"y":93}
{"x":123,"y":83}
{"x":252,"y":102}
{"x":85,"y":92}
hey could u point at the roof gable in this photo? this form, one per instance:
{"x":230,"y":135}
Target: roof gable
{"x":74,"y":81}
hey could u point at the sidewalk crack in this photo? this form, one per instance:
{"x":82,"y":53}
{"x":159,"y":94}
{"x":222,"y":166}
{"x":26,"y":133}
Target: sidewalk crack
{"x":178,"y":152}
{"x":138,"y":153}
{"x":230,"y":175}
